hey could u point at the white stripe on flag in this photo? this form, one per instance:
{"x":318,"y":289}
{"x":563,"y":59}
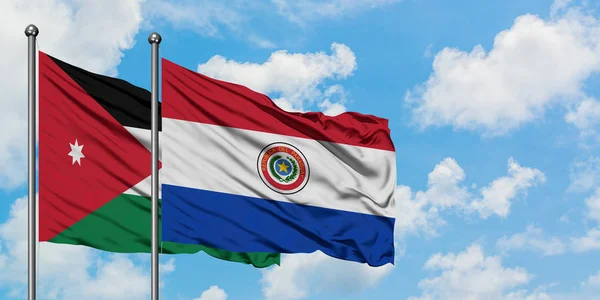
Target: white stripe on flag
{"x":223,"y":159}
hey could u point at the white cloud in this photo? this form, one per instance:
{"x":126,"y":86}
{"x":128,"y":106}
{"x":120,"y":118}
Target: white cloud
{"x":89,"y":276}
{"x":118,"y":278}
{"x":587,"y":243}
{"x":302,"y":11}
{"x":593,"y":282}
{"x":533,"y":65}
{"x":331,"y":109}
{"x":443,"y":184}
{"x":261,"y":42}
{"x":532,"y":239}
{"x":585,"y":116}
{"x":415,"y":213}
{"x":591,"y":241}
{"x":332,"y":104}
{"x":335,"y":97}
{"x":214,"y":18}
{"x":213,"y":293}
{"x":496,"y":196}
{"x":524,"y":295}
{"x":420,"y":211}
{"x":428,"y":51}
{"x":295,"y":79}
{"x":472,"y":275}
{"x":585,"y":175}
{"x":559,"y":6}
{"x":204,"y":17}
{"x":593,"y":206}
{"x":299,"y":274}
{"x":69,"y":30}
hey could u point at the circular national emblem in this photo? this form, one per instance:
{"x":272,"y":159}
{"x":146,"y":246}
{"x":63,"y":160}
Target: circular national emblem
{"x":283,"y":168}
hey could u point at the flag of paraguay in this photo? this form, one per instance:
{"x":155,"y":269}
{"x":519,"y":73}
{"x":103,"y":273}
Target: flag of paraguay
{"x":241,"y":174}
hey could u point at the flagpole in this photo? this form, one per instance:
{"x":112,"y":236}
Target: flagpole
{"x":31,"y":32}
{"x":154,"y":39}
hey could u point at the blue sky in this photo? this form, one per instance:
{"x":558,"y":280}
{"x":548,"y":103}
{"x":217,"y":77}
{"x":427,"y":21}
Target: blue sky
{"x":492,"y":108}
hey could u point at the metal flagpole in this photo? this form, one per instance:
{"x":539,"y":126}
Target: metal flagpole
{"x":154,"y":39}
{"x":31,"y":32}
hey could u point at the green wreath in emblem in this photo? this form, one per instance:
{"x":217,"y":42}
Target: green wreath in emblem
{"x":288,"y":178}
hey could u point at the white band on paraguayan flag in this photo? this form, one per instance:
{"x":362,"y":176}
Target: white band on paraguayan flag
{"x":222,"y":159}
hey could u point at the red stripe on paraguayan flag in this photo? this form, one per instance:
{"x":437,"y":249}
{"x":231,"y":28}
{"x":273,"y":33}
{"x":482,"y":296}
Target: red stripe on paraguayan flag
{"x":255,"y":111}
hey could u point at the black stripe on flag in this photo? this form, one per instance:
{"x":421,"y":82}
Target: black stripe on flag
{"x":127,"y":103}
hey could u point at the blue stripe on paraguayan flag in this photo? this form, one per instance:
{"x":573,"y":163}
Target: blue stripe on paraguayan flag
{"x":242,"y":175}
{"x":237,"y":223}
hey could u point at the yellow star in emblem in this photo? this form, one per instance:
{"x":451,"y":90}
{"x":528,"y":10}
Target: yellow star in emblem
{"x":282,"y":167}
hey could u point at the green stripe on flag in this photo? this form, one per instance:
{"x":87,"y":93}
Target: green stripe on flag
{"x":123,"y":225}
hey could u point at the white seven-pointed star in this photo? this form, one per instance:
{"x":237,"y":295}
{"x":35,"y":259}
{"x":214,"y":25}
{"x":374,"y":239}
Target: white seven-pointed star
{"x":76,"y":153}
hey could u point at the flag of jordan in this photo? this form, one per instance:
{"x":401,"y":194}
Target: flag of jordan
{"x":95,"y":165}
